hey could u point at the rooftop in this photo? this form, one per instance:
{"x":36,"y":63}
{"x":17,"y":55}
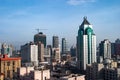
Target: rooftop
{"x":85,"y":21}
{"x":6,"y":58}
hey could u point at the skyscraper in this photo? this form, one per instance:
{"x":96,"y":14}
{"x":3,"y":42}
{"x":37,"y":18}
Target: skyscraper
{"x":64,"y":46}
{"x":86,"y":45}
{"x":55,"y":42}
{"x":41,"y":52}
{"x":117,"y":47}
{"x":40,"y":37}
{"x":105,"y":49}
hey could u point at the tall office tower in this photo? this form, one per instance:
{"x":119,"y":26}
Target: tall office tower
{"x":40,"y":37}
{"x":64,"y":46}
{"x":117,"y":47}
{"x":41,"y":51}
{"x":86,"y":45}
{"x":112,"y":49}
{"x":55,"y":42}
{"x":105,"y":49}
{"x":29,"y":53}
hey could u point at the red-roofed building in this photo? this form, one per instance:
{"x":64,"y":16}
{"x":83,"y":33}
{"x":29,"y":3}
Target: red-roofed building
{"x":8,"y":66}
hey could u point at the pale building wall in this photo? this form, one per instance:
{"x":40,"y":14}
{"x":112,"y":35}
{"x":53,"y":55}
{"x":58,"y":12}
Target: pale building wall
{"x":33,"y":74}
{"x":37,"y":75}
{"x":46,"y":73}
{"x":29,"y":53}
{"x":25,"y":70}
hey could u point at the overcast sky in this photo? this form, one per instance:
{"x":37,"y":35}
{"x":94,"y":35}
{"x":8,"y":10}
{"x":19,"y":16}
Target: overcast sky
{"x":19,"y":19}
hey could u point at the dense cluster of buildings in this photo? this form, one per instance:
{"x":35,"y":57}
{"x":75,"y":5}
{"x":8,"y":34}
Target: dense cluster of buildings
{"x":38,"y":60}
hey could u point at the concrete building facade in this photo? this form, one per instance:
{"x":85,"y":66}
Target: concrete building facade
{"x":56,"y":54}
{"x":8,"y":66}
{"x":94,"y":71}
{"x":31,"y":73}
{"x":41,"y":51}
{"x":29,"y":53}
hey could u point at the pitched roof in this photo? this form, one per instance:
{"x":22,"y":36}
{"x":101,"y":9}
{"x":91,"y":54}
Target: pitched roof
{"x":85,"y":21}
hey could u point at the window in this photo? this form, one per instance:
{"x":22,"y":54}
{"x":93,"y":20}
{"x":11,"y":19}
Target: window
{"x":13,"y":62}
{"x":8,"y":73}
{"x":8,"y":63}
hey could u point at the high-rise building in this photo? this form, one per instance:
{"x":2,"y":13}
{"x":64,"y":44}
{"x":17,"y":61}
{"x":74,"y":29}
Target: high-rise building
{"x":8,"y":66}
{"x":56,"y":54}
{"x":117,"y":41}
{"x":40,"y":37}
{"x":105,"y":49}
{"x":64,"y":46}
{"x":112,"y":48}
{"x":73,"y":51}
{"x":117,"y":47}
{"x":48,"y":54}
{"x":41,"y":51}
{"x":55,"y":42}
{"x":86,"y":45}
{"x":7,"y":49}
{"x":29,"y":53}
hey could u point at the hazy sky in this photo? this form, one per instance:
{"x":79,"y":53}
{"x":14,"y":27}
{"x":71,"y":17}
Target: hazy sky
{"x":19,"y":19}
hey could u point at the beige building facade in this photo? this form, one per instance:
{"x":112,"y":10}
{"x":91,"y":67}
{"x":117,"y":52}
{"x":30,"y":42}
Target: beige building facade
{"x":8,"y":66}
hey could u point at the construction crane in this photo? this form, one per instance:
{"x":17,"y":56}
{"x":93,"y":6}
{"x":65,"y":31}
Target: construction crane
{"x":38,"y":30}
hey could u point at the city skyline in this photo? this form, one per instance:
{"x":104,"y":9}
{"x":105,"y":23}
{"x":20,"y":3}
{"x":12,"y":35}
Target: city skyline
{"x":20,"y":19}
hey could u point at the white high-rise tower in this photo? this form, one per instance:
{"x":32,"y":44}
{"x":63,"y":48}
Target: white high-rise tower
{"x":86,"y":45}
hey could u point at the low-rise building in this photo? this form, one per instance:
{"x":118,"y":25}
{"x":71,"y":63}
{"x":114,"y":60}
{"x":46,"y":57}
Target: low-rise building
{"x":40,"y":74}
{"x":73,"y":77}
{"x":102,"y":71}
{"x":94,"y":71}
{"x":111,"y":74}
{"x":33,"y":73}
{"x":8,"y":66}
